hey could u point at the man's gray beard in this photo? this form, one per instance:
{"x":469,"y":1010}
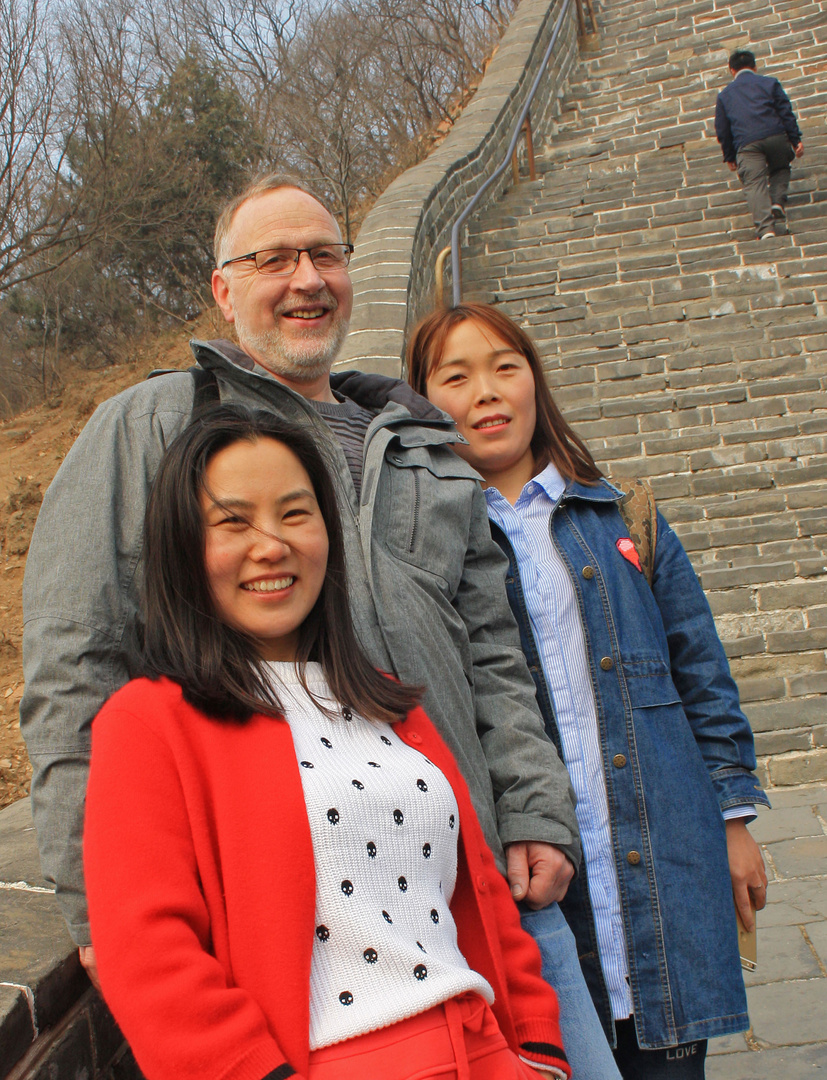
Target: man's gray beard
{"x":296,"y":364}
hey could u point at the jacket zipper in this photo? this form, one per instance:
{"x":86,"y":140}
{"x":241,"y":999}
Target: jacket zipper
{"x":414,"y":523}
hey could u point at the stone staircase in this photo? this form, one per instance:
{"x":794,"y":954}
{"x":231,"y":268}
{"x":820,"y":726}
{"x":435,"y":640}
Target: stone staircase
{"x":680,"y":347}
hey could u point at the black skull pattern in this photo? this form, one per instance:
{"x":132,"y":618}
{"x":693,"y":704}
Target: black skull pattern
{"x":357,"y":887}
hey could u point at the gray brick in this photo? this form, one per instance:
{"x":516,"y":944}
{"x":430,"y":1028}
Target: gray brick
{"x":644,"y":466}
{"x":743,"y":505}
{"x":785,"y":715}
{"x":666,"y":487}
{"x":781,"y":742}
{"x":810,"y":683}
{"x":798,"y":641}
{"x":761,"y":689}
{"x":744,"y":646}
{"x":792,"y":595}
{"x":729,"y":577}
{"x":691,"y":399}
{"x":715,"y":484}
{"x":634,"y":406}
{"x":731,"y":602}
{"x":681,"y":442}
{"x":607,"y":427}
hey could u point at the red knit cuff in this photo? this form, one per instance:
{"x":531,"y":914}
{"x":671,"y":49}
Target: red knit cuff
{"x":541,"y":1042}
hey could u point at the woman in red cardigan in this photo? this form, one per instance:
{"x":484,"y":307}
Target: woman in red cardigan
{"x":285,"y":873}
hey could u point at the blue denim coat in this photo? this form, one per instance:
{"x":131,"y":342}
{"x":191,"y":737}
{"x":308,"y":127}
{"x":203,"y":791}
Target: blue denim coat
{"x":677,"y":750}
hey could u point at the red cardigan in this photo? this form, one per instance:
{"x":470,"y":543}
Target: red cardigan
{"x":201,"y":885}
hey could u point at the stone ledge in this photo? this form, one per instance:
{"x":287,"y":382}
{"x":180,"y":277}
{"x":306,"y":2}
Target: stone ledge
{"x":52,"y":1024}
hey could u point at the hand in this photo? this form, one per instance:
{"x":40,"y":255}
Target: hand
{"x":88,"y":961}
{"x":733,"y":165}
{"x":746,"y":867}
{"x":799,"y":150}
{"x":538,"y":873}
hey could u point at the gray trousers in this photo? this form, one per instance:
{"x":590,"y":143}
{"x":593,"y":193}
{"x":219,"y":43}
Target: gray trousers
{"x":764,"y":170}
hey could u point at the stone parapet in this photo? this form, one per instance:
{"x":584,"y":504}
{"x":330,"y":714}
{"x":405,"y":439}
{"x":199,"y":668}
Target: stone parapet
{"x":393,"y":267}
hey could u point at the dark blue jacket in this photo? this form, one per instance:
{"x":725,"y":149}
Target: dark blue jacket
{"x":677,"y":750}
{"x":753,"y":107}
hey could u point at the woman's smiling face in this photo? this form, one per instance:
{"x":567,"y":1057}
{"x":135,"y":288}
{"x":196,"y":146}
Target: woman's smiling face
{"x":488,"y":389}
{"x":265,"y":543}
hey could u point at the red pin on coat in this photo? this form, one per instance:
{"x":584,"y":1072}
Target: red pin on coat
{"x":628,"y":550}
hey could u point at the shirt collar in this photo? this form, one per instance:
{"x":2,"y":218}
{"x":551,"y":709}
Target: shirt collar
{"x":549,"y":480}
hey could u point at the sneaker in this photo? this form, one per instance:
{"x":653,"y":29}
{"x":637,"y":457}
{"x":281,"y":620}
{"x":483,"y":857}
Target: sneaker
{"x":778,"y":212}
{"x":767,"y":236}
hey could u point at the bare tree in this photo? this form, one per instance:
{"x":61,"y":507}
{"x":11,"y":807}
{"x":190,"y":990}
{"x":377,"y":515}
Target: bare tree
{"x":37,"y":226}
{"x":250,"y":40}
{"x":124,"y":125}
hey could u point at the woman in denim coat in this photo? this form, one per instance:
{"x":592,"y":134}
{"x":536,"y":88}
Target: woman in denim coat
{"x":637,"y":695}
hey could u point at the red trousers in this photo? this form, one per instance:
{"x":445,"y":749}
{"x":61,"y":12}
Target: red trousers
{"x":458,"y":1040}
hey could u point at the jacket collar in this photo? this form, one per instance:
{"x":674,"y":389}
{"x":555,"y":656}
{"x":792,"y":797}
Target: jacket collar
{"x":394,"y":398}
{"x":601,"y":492}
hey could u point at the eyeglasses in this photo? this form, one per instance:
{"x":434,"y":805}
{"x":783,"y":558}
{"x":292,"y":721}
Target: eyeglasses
{"x":283,"y":261}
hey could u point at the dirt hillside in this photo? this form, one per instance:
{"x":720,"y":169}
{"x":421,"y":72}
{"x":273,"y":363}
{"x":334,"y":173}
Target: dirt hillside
{"x":32,"y":446}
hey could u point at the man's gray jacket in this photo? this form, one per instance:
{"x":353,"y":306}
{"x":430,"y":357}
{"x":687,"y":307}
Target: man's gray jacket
{"x":426,"y":586}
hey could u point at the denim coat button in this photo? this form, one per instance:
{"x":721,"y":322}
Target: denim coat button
{"x":633,"y":857}
{"x":588,"y":572}
{"x":607,"y":663}
{"x":619,"y":760}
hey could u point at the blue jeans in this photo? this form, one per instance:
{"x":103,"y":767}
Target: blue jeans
{"x":589,"y":1054}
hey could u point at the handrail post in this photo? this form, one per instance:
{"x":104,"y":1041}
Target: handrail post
{"x":581,"y":22}
{"x":529,"y":145}
{"x":439,"y":272}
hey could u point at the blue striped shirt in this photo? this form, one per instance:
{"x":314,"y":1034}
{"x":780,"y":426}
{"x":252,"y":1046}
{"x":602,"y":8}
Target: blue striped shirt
{"x":558,"y":632}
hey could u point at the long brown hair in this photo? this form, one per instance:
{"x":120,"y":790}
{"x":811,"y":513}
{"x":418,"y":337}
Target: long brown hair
{"x":185,"y":638}
{"x":553,"y":439}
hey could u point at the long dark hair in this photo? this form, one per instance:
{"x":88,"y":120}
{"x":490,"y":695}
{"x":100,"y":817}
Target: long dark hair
{"x":553,"y":439}
{"x":184,"y":638}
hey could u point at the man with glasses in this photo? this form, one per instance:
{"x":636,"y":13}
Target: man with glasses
{"x":426,"y":580}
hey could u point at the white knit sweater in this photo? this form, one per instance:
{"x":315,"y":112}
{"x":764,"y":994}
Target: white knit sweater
{"x":384,"y":824}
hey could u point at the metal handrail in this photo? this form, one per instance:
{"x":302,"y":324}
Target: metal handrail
{"x":456,"y":264}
